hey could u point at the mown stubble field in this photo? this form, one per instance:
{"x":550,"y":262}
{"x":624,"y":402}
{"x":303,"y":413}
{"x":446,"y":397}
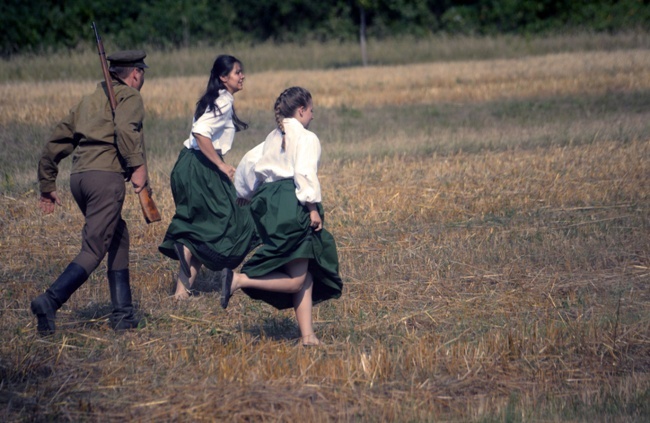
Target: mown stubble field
{"x":493,"y":226}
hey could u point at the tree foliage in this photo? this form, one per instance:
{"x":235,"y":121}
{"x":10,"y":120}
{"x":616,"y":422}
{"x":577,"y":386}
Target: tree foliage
{"x":40,"y":25}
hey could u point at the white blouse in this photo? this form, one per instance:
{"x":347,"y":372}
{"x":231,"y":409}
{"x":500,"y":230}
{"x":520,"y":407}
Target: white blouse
{"x":215,"y":124}
{"x":268,"y":163}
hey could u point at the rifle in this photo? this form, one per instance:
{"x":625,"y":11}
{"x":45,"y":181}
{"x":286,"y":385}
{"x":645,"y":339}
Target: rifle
{"x":149,"y":209}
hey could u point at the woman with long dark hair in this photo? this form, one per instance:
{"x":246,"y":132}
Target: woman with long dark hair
{"x":208,"y":227}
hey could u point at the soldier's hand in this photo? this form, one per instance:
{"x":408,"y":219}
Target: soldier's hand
{"x":48,"y":201}
{"x":139,"y":178}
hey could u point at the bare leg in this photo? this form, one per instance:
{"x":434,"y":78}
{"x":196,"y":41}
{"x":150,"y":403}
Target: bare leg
{"x":291,"y":280}
{"x":302,"y":304}
{"x":195,"y":265}
{"x":294,"y":279}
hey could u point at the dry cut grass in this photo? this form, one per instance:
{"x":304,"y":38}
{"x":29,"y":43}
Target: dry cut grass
{"x":500,"y":282}
{"x":467,"y":81}
{"x":503,"y":284}
{"x":271,"y":56}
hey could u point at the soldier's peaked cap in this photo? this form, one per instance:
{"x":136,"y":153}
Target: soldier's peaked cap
{"x":128,"y":59}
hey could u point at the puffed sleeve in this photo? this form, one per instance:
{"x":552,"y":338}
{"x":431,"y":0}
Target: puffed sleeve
{"x":59,"y":146}
{"x":213,"y":121}
{"x":129,"y":115}
{"x":306,"y":169}
{"x":245,"y":178}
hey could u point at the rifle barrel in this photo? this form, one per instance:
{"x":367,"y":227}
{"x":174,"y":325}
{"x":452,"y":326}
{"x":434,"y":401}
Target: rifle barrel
{"x":107,"y":75}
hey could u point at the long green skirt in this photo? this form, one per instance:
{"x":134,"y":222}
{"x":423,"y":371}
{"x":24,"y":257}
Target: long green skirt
{"x":208,"y":221}
{"x":283,"y":224}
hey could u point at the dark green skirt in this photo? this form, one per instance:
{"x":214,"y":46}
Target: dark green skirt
{"x":283,"y":224}
{"x":208,"y":221}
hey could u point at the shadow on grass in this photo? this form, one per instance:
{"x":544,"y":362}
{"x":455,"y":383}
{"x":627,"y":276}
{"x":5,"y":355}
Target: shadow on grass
{"x":96,"y":316}
{"x":274,"y":328}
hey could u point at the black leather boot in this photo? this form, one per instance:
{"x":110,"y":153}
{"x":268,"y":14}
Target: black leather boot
{"x":122,"y":317}
{"x":45,"y":305}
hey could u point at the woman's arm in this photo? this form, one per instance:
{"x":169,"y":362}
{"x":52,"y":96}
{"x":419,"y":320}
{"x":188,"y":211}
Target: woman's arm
{"x":306,"y":169}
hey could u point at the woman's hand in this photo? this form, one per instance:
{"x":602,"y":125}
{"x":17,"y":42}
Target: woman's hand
{"x":205,"y":145}
{"x":228,"y":170}
{"x":316,"y":222}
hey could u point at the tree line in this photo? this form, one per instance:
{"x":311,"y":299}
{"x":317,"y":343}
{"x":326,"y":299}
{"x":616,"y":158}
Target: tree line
{"x":39,"y":25}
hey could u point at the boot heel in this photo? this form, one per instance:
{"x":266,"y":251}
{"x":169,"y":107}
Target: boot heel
{"x":45,"y":315}
{"x":122,"y":317}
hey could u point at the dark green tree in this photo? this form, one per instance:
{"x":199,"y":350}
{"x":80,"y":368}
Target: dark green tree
{"x":41,"y":25}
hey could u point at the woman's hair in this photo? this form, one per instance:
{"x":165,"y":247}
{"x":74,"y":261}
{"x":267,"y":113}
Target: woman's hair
{"x":222,"y":66}
{"x":287,"y":103}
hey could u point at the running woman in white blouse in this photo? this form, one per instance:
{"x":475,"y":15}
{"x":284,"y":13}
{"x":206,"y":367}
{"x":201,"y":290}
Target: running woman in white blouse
{"x":297,"y":265}
{"x":208,"y":227}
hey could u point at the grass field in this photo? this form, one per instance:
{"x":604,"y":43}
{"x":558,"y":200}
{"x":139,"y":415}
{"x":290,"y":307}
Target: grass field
{"x":492,"y":219}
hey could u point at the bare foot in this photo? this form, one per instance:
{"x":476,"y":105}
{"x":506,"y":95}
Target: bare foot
{"x":181,"y":293}
{"x":235,"y":282}
{"x":310,"y":341}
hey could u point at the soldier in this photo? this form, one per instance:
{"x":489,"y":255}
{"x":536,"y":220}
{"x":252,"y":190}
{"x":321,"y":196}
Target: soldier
{"x":107,"y":149}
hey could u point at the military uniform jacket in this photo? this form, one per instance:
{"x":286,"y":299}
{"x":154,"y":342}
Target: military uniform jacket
{"x":98,"y":141}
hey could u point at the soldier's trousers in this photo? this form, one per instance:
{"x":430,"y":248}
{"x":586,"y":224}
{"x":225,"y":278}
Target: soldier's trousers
{"x":100,"y":197}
